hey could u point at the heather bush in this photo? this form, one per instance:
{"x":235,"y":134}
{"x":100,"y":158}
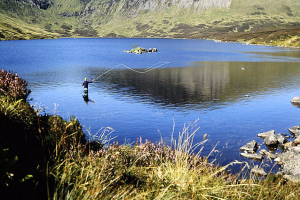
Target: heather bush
{"x":12,"y":85}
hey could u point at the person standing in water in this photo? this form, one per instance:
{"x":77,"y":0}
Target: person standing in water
{"x":86,"y":84}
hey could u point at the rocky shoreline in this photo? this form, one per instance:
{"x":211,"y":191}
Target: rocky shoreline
{"x":288,"y":159}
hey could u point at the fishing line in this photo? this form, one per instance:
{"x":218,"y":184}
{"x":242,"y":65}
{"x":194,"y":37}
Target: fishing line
{"x":136,"y":71}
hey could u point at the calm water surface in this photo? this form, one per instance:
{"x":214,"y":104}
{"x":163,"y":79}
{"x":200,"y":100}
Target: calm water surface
{"x":202,"y":81}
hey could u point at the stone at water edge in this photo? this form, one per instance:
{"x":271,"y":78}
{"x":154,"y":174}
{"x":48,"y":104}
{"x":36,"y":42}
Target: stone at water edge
{"x":280,"y":139}
{"x":266,"y":134}
{"x":259,"y":171}
{"x":250,"y":147}
{"x":295,"y":131}
{"x":296,"y":141}
{"x":293,"y":178}
{"x":271,"y":140}
{"x":288,"y":159}
{"x":267,"y":154}
{"x":253,"y":156}
{"x":287,"y":145}
{"x":295,"y":99}
{"x":295,"y":149}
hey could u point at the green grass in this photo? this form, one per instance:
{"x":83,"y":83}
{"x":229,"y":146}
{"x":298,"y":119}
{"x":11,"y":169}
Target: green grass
{"x":16,"y":29}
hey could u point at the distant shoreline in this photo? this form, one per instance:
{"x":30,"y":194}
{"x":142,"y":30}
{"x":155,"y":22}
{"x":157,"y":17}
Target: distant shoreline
{"x":262,"y":43}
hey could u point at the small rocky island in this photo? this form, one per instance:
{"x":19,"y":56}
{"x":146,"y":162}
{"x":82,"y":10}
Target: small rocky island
{"x":140,"y":50}
{"x":289,"y":157}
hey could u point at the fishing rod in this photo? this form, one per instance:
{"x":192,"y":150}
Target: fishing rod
{"x":140,"y":72}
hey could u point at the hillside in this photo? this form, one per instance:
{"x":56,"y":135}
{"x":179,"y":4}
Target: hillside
{"x":268,"y":22}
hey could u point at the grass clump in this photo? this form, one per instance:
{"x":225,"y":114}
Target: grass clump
{"x":144,"y":170}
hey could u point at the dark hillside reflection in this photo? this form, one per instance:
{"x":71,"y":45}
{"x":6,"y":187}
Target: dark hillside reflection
{"x":290,"y":55}
{"x":202,"y":82}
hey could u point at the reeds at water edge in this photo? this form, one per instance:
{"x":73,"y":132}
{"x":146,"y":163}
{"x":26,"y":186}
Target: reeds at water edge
{"x":147,"y":170}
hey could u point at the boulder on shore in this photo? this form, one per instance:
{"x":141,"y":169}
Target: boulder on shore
{"x":295,"y":131}
{"x":267,"y":154}
{"x":258,"y":171}
{"x":253,"y":156}
{"x":288,"y":159}
{"x":271,"y":140}
{"x":280,"y":139}
{"x":293,"y":178}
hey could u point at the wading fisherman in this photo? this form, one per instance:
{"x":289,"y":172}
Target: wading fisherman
{"x":86,"y":84}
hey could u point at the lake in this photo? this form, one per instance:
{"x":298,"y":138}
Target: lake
{"x":230,"y":91}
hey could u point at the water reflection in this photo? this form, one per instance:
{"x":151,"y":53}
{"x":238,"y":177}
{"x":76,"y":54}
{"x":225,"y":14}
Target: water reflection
{"x":292,"y":55}
{"x":297,"y":105}
{"x":203,"y":82}
{"x":86,"y":98}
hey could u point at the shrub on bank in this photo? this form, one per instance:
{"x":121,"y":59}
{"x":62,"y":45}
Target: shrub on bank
{"x":12,"y":85}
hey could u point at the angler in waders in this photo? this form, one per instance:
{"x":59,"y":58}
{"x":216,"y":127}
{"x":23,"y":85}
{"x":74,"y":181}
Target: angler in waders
{"x":86,"y":85}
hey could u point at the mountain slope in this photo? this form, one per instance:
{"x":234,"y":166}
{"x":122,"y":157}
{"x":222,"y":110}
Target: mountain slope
{"x":233,"y":20}
{"x":16,"y":29}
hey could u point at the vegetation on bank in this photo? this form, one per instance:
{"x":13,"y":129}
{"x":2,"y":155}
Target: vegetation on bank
{"x":46,"y":157}
{"x":287,"y":37}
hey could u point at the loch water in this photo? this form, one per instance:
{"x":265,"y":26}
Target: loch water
{"x":230,"y":91}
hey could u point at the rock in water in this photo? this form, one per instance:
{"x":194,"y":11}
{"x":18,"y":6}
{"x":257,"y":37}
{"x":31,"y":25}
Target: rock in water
{"x":271,"y":140}
{"x":253,"y":156}
{"x":267,"y":154}
{"x":295,"y":131}
{"x":266,"y":134}
{"x":296,"y":100}
{"x":250,"y":147}
{"x":280,"y":139}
